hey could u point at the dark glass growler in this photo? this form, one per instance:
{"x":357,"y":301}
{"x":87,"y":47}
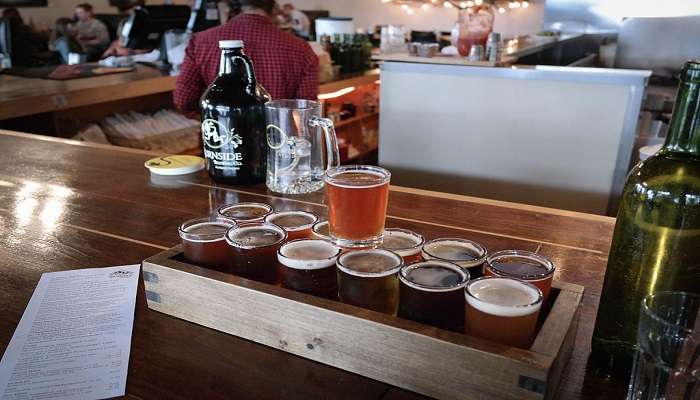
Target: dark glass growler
{"x":656,"y":244}
{"x":233,"y":120}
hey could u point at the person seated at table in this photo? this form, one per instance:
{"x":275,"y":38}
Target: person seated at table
{"x":92,"y":33}
{"x":298,"y":21}
{"x":118,"y":46}
{"x":64,"y":41}
{"x":285,"y":65}
{"x":26,"y":43}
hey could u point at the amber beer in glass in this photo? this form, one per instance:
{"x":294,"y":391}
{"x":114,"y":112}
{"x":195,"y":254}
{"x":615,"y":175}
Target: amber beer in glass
{"x":308,"y":266}
{"x":254,"y":251}
{"x":367,"y":278}
{"x":244,"y":213}
{"x":298,"y":224}
{"x":357,"y":199}
{"x":407,"y":244}
{"x":432,"y":293}
{"x":203,"y":242}
{"x":465,"y":253}
{"x":502,"y":310}
{"x":523,"y":265}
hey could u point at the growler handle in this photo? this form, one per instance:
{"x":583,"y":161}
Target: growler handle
{"x":250,"y":74}
{"x":331,"y":140}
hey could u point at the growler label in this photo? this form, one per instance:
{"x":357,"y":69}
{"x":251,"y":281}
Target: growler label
{"x":220,"y":145}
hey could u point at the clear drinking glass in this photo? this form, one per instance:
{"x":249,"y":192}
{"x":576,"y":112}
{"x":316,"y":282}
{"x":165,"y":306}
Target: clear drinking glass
{"x":295,"y":135}
{"x":667,"y":363}
{"x":357,"y":198}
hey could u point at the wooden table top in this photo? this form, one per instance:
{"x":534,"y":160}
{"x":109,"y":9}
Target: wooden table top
{"x":25,"y":96}
{"x":20,"y":96}
{"x":70,"y":205}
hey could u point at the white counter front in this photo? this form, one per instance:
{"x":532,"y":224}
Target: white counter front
{"x":552,"y":136}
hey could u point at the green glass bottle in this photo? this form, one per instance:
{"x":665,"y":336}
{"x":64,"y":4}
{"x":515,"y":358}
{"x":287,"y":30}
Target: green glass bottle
{"x":656,"y":244}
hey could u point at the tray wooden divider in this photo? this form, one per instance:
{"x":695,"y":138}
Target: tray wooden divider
{"x":416,"y":357}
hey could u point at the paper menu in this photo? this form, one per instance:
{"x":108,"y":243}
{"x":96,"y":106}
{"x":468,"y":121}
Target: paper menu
{"x":74,"y":338}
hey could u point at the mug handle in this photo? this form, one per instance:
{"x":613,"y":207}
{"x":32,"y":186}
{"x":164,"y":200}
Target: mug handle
{"x":331,"y":139}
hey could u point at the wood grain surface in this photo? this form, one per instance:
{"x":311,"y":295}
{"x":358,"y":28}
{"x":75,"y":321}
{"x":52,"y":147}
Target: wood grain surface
{"x":69,"y":205}
{"x":24,"y":96}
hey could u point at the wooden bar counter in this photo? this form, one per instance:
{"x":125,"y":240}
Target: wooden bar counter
{"x":70,"y":205}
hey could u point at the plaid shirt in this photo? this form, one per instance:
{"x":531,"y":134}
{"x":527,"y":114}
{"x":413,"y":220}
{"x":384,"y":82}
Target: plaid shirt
{"x":285,"y":65}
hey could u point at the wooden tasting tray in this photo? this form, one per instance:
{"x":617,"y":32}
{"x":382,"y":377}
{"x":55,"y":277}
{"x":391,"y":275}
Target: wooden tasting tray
{"x":413,"y":356}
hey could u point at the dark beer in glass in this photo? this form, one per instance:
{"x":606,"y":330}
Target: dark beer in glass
{"x":502,"y":310}
{"x":298,"y":224}
{"x":465,"y":253}
{"x":432,"y":292}
{"x":203,"y":242}
{"x":245,"y":213}
{"x":233,"y":120}
{"x":405,"y":243}
{"x":254,"y":251}
{"x":357,"y":198}
{"x":308,"y":266}
{"x":523,"y":265}
{"x":367,"y":278}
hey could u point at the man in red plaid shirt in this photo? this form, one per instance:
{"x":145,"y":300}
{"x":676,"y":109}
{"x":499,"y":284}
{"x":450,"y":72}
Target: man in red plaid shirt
{"x":285,"y":65}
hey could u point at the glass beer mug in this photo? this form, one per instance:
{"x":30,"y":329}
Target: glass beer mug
{"x":296,"y":133}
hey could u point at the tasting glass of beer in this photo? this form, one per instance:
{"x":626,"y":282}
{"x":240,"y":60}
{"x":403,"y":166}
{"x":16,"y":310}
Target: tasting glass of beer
{"x":405,"y":243}
{"x":320,"y":231}
{"x":523,"y":265}
{"x":298,"y":224}
{"x":308,"y":266}
{"x":297,"y":138}
{"x":367,"y":278}
{"x":465,"y":253}
{"x":503,"y":310}
{"x":254,"y":251}
{"x":245,"y":213}
{"x":203,"y":241}
{"x":357,"y":197}
{"x":432,"y":292}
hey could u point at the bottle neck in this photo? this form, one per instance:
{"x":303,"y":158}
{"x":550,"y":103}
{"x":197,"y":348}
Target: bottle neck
{"x":237,"y":65}
{"x":684,"y":129}
{"x":227,"y":62}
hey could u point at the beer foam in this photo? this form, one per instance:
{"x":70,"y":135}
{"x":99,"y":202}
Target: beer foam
{"x":374,"y":262}
{"x":463,"y":252}
{"x":358,"y":179}
{"x":435,"y":276}
{"x":308,"y":254}
{"x":292,"y":220}
{"x":246,"y":211}
{"x":503,"y":297}
{"x":322,"y":230}
{"x":254,"y":236}
{"x":520,"y":264}
{"x":204,"y":230}
{"x":401,"y":241}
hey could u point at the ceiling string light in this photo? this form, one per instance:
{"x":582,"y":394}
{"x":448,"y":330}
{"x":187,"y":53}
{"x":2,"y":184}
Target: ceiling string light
{"x":501,"y":6}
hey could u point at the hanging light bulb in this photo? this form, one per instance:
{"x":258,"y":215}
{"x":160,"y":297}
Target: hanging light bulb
{"x":463,"y":4}
{"x":447,"y":4}
{"x":525,"y":4}
{"x":425,"y":7}
{"x":478,"y":2}
{"x":404,"y":7}
{"x":501,"y":10}
{"x":433,"y":1}
{"x":470,"y":3}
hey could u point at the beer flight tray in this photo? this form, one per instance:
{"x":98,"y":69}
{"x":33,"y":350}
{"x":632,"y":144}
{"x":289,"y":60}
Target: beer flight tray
{"x":407,"y":354}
